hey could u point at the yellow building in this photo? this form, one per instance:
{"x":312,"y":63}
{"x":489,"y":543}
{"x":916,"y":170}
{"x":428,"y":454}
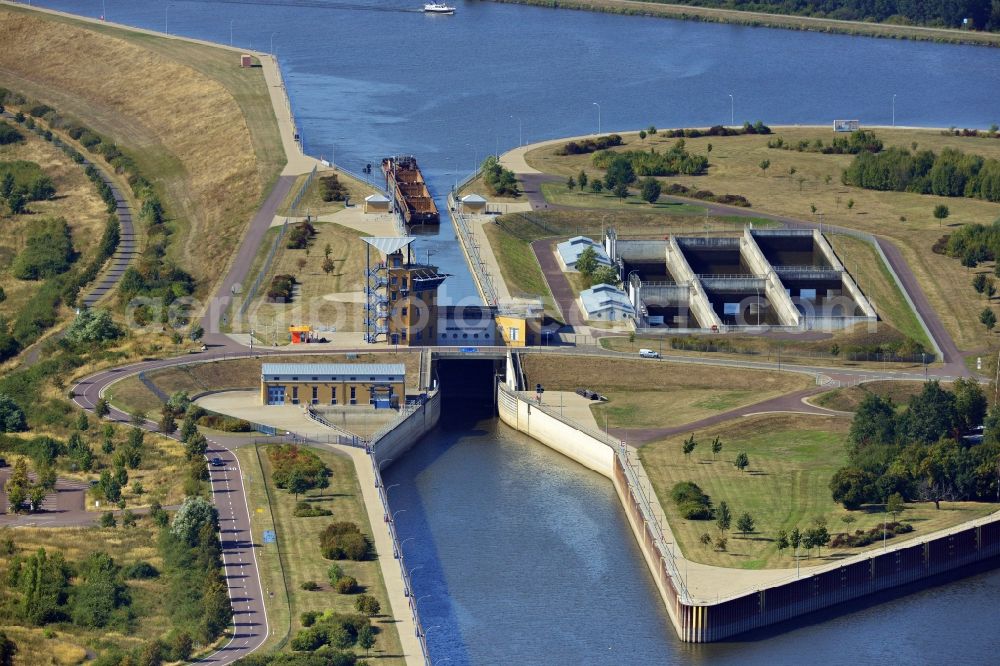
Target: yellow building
{"x":400,"y":295}
{"x":382,"y":385}
{"x":520,"y":329}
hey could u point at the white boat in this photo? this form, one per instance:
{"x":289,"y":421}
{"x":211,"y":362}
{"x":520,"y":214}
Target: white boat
{"x":438,"y":8}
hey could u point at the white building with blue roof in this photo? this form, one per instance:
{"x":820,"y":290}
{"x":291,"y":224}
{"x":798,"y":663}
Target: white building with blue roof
{"x":569,"y":251}
{"x":605,"y":302}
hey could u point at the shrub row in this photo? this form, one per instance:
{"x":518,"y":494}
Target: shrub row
{"x":676,"y":160}
{"x":224,"y":423}
{"x":9,"y":134}
{"x":719,"y":130}
{"x":300,"y":235}
{"x":590,"y":145}
{"x":691,"y":500}
{"x":307,"y":510}
{"x":859,"y":141}
{"x":677,"y":189}
{"x":331,"y":189}
{"x":862,"y":538}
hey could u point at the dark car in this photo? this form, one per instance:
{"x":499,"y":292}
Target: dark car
{"x":218,"y":462}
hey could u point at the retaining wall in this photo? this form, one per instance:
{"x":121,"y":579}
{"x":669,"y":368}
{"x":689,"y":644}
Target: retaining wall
{"x":405,"y":434}
{"x":788,"y":314}
{"x":681,"y":271}
{"x":697,"y":621}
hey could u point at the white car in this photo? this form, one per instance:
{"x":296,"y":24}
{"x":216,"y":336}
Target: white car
{"x":648,"y":353}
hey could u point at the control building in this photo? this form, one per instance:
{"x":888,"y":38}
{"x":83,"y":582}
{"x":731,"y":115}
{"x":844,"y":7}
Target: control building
{"x":382,"y":385}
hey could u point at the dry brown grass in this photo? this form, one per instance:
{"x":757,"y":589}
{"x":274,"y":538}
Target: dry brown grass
{"x":734,"y":169}
{"x":647,"y":394}
{"x":347,"y":253}
{"x":76,"y":200}
{"x":792,"y":458}
{"x":187,"y":131}
{"x":126,"y":546}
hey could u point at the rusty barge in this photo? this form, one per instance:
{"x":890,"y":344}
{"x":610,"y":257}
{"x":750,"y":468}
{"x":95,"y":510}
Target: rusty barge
{"x":409,"y":192}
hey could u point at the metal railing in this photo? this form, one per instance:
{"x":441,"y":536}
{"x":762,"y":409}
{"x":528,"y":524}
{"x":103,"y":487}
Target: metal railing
{"x":643,"y":498}
{"x":467,"y":239}
{"x":343,"y":437}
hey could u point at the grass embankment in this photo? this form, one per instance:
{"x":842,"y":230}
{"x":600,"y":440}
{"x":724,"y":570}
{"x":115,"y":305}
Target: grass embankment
{"x":477,"y":186}
{"x":651,"y":394}
{"x":312,"y":202}
{"x":561,"y":195}
{"x":762,"y":19}
{"x":734,"y":169}
{"x":244,"y":373}
{"x":791,"y":350}
{"x":848,"y":398}
{"x":299,"y":559}
{"x":786,"y":485}
{"x":71,"y":644}
{"x":76,"y":200}
{"x":187,"y":113}
{"x":336,"y":298}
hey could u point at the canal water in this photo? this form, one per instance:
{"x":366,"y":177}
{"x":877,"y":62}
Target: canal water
{"x":519,"y":555}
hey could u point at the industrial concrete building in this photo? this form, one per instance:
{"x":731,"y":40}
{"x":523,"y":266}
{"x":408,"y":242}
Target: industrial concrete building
{"x":569,"y":252}
{"x":382,"y":385}
{"x":764,"y":278}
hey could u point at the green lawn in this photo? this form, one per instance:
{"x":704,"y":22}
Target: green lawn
{"x":560,"y":194}
{"x":792,"y":458}
{"x":297,"y":549}
{"x":865,"y":265}
{"x":519,"y":266}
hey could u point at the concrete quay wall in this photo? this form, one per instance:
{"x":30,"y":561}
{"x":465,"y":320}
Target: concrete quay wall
{"x":699,"y":621}
{"x":408,"y":431}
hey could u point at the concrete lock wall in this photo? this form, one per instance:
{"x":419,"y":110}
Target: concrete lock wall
{"x":850,"y":286}
{"x":702,"y":622}
{"x":406,"y":433}
{"x":788,"y":314}
{"x":678,"y":266}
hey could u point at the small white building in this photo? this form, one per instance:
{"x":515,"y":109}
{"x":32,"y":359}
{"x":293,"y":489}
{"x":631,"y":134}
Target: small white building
{"x":606,"y":303}
{"x":569,"y":251}
{"x":376,"y":203}
{"x":473,"y":203}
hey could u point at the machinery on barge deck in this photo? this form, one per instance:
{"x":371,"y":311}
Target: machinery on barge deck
{"x":408,"y":191}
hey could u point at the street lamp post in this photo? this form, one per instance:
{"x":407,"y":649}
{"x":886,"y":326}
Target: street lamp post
{"x":598,"y":116}
{"x":520,"y":137}
{"x":893,"y":110}
{"x":272,"y":43}
{"x":383,"y":462}
{"x":396,"y":513}
{"x":475,"y":157}
{"x":166,"y":19}
{"x":732,"y":110}
{"x":230,"y":32}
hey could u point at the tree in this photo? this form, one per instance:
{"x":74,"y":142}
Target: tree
{"x":941,"y":213}
{"x":36,"y":495}
{"x":571,"y":183}
{"x":582,"y":179}
{"x":605,"y":275}
{"x":895,"y":505}
{"x":764,"y":166}
{"x":991,"y":288}
{"x":781,"y":541}
{"x":366,"y":638}
{"x":16,"y":496}
{"x":11,"y":415}
{"x":7,"y":184}
{"x":716,"y":446}
{"x":196,"y":333}
{"x":368,"y":605}
{"x":189,"y":519}
{"x":93,"y":326}
{"x":167,"y":422}
{"x":82,"y":422}
{"x":850,"y":204}
{"x":108,"y":519}
{"x":688,"y":446}
{"x":745,"y":524}
{"x":195,"y":446}
{"x":620,"y":172}
{"x":979,"y":283}
{"x":99,"y":592}
{"x":328,"y":265}
{"x":874,"y":421}
{"x":705,"y":538}
{"x":988,"y":319}
{"x":596,"y":186}
{"x":642,"y":135}
{"x":298,"y":483}
{"x":723,"y":517}
{"x":795,"y":538}
{"x":102,"y":408}
{"x":818,"y":537}
{"x":742,"y":461}
{"x":720,"y":543}
{"x":651,"y":190}
{"x":620,"y":190}
{"x":179,"y":402}
{"x":7,"y":650}
{"x":970,"y":403}
{"x":851,"y":487}
{"x":137,"y":418}
{"x":327,"y":250}
{"x":586,"y":262}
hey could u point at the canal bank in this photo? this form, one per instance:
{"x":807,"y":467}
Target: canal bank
{"x":707,"y":604}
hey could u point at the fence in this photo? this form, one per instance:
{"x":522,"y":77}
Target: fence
{"x":468,"y":241}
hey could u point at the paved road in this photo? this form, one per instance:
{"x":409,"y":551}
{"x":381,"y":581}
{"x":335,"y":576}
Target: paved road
{"x":562,"y":291}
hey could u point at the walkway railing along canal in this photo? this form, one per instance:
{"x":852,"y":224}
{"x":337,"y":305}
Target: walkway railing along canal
{"x":468,"y":241}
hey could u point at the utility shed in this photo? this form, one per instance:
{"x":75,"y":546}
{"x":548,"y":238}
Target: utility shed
{"x":569,"y":251}
{"x":376,"y":203}
{"x":606,"y":303}
{"x":473,"y":203}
